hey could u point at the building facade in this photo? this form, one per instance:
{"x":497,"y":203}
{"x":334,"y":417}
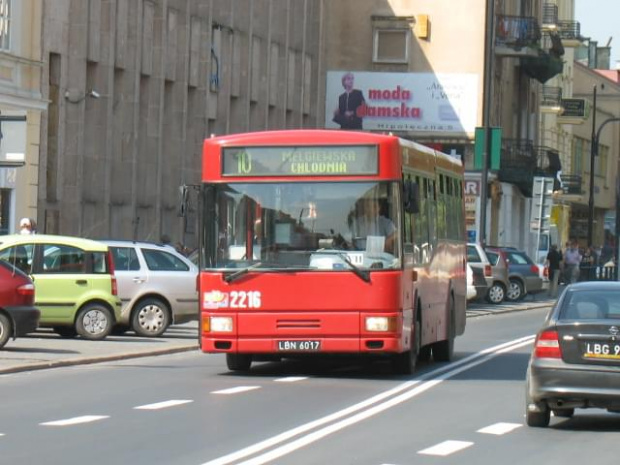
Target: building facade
{"x":135,"y":86}
{"x":21,"y":106}
{"x":390,"y":40}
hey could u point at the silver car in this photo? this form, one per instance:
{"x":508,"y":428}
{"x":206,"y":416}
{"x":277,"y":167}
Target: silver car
{"x":156,"y":284}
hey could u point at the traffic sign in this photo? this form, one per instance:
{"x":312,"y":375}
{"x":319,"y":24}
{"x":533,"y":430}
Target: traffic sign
{"x":542,"y":202}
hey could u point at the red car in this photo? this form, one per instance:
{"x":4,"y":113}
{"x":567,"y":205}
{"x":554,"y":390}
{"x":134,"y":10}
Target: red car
{"x":18,"y":315}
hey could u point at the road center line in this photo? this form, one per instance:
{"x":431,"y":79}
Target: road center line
{"x":441,"y":373}
{"x":236,"y":390}
{"x":160,"y":405}
{"x":446,"y":448}
{"x":499,"y":428}
{"x":291,"y":379}
{"x":75,"y":420}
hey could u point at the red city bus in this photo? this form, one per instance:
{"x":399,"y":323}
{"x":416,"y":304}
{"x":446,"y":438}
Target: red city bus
{"x":330,"y":242}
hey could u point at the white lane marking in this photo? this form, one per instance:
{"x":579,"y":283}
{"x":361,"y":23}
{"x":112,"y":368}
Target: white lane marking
{"x":290,"y":379}
{"x":456,"y":367}
{"x":236,"y":390}
{"x":446,"y":448}
{"x":75,"y":420}
{"x":165,"y":404}
{"x":500,"y":428}
{"x":1,"y":434}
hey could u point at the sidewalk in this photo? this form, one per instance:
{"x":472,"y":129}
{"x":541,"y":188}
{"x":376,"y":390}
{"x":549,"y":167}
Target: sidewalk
{"x":45,"y":349}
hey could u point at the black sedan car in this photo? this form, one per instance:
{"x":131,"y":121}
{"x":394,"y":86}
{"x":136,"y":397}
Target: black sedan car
{"x":576,"y":358}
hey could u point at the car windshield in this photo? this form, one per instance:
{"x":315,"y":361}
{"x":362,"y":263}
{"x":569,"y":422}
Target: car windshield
{"x":304,"y":225}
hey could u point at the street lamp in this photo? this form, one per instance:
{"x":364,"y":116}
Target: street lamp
{"x":596,"y":134}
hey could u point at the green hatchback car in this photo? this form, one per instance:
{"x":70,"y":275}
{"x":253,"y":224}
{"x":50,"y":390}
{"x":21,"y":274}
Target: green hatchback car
{"x":74,"y":281}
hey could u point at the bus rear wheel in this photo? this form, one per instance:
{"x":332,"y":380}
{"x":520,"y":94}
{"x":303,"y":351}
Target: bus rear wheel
{"x":238,"y":362}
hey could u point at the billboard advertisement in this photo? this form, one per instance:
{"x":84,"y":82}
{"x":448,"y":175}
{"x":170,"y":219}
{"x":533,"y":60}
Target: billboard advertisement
{"x":411,"y":102}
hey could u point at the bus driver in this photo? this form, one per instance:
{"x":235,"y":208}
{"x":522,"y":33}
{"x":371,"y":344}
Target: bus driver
{"x":370,"y":222}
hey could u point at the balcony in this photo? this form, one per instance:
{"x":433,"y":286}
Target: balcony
{"x":521,"y":161}
{"x":571,"y":185}
{"x":551,"y":100}
{"x":518,"y":164}
{"x":548,"y":61}
{"x":570,"y":33}
{"x":550,"y":17}
{"x":516,"y":36}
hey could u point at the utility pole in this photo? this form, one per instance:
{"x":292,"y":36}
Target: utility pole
{"x":593,"y":152}
{"x":486,"y":117}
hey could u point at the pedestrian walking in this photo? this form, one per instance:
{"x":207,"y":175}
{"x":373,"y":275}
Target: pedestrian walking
{"x":553,"y":262}
{"x":572,"y":260}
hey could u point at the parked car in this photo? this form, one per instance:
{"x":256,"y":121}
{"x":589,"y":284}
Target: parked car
{"x":523,"y":274}
{"x":75,"y":287}
{"x":157,"y":285}
{"x":471,"y":288}
{"x":495,"y":273}
{"x":18,"y":315}
{"x":575,"y":359}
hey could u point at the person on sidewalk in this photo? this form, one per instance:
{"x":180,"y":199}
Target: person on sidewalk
{"x":572,"y":260}
{"x":553,"y":261}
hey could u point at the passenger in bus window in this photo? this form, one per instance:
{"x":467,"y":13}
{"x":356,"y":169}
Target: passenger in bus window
{"x":370,"y":221}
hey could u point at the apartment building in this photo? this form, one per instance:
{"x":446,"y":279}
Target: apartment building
{"x":135,"y":86}
{"x":21,"y":105}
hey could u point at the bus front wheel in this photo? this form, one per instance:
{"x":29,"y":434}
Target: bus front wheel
{"x":238,"y":362}
{"x":405,"y":363}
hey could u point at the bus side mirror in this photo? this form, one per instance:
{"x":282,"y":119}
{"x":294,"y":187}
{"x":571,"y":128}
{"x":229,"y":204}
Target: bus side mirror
{"x":411,"y":197}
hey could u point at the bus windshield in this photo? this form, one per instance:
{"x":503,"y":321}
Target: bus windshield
{"x":307,"y":226}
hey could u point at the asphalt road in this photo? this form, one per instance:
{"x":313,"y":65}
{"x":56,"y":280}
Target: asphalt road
{"x":186,"y":408}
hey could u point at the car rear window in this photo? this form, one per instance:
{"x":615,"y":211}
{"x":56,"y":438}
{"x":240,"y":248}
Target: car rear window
{"x":100,"y":263}
{"x":472,"y":255}
{"x":125,"y":259}
{"x":493,"y":257}
{"x":517,"y":258}
{"x":158,"y":260}
{"x":589,"y":305}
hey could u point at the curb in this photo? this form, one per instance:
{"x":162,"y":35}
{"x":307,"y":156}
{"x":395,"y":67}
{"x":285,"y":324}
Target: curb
{"x":92,"y":360}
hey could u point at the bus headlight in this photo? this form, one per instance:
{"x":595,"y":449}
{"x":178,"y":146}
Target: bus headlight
{"x":380,"y":323}
{"x":222,"y":324}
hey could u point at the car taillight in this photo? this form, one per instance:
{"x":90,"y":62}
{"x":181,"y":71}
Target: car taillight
{"x":548,"y":345}
{"x":487,"y":270}
{"x":534,"y":269}
{"x":114,"y":286}
{"x":546,"y":272}
{"x":27,"y":292}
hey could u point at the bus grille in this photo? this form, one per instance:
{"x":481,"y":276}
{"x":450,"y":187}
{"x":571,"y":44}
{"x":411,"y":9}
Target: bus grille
{"x":287,"y":324}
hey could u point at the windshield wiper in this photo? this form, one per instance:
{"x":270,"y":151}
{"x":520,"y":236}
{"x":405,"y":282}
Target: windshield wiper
{"x":237,"y":274}
{"x":286,"y":269}
{"x":362,"y":274}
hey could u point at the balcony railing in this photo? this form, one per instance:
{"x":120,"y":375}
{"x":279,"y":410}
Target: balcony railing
{"x":516,"y":32}
{"x":551,"y":97}
{"x":571,"y":184}
{"x":570,"y":30}
{"x":519,"y":164}
{"x":550,"y":16}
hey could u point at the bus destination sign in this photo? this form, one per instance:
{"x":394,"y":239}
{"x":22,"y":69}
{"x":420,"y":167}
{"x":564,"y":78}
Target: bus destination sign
{"x":349,"y":160}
